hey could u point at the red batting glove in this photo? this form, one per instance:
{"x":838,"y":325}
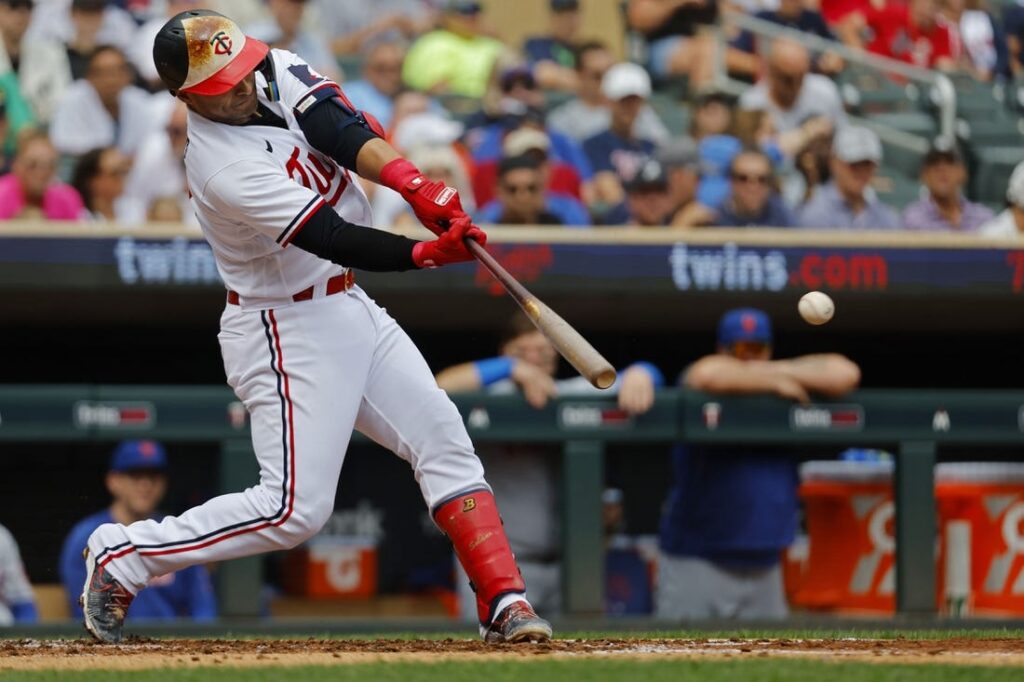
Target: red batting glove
{"x":435,"y":204}
{"x":448,"y":247}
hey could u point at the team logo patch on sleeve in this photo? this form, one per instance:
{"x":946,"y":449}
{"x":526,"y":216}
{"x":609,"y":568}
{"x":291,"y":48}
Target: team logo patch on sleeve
{"x":305,"y":74}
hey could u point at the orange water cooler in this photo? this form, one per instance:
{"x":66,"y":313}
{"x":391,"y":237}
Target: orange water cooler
{"x":849,"y":566}
{"x":329,"y":567}
{"x":981,"y":526}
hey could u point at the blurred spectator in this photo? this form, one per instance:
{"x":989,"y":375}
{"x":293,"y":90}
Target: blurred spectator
{"x":617,"y":154}
{"x":105,"y":109}
{"x":732,"y":510}
{"x":711,"y":127}
{"x":553,"y":57}
{"x":137,"y":482}
{"x":81,"y":26}
{"x":438,"y":162}
{"x":848,"y":201}
{"x":99,"y":179}
{"x":354,"y":25}
{"x":945,"y":208}
{"x":793,"y":14}
{"x":1013,"y":25}
{"x":41,"y":65}
{"x":569,"y":170}
{"x":284,"y":30}
{"x":588,"y":113}
{"x":811,"y":161}
{"x":790,"y":94}
{"x":911,"y":32}
{"x":647,"y":197}
{"x":406,"y":104}
{"x":381,"y":82}
{"x":680,"y":40}
{"x":680,"y":160}
{"x":457,"y":58}
{"x":31,"y":190}
{"x":158,"y":174}
{"x":1010,"y":222}
{"x":17,"y":602}
{"x":754,"y":199}
{"x":536,"y":145}
{"x":525,"y":477}
{"x":16,"y":114}
{"x":521,"y":198}
{"x":141,"y":52}
{"x":983,"y":52}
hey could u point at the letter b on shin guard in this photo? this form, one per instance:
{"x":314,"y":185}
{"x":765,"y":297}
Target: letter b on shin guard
{"x":472,"y":523}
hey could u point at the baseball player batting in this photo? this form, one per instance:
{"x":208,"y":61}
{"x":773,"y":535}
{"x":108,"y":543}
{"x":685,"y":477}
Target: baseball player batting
{"x":272,"y":147}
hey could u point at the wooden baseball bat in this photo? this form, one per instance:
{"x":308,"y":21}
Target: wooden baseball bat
{"x":566,"y":340}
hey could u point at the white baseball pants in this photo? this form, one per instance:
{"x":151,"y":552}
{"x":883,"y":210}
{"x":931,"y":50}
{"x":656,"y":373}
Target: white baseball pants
{"x":308,"y":373}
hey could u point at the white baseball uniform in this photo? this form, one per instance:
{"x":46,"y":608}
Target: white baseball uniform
{"x":308,"y":371}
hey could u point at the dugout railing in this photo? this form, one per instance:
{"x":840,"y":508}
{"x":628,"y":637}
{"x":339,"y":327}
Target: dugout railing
{"x":913,"y":424}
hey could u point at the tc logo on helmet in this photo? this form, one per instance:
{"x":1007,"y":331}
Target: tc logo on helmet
{"x":221,"y":43}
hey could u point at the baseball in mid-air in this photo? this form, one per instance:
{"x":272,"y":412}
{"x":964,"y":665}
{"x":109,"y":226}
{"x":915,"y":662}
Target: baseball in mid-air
{"x":816,"y":307}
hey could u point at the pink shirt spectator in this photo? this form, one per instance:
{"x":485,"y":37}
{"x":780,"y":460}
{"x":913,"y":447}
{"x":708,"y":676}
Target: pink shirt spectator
{"x":60,"y":201}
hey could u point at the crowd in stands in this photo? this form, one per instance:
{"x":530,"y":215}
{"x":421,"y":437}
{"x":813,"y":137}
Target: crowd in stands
{"x":555,"y":131}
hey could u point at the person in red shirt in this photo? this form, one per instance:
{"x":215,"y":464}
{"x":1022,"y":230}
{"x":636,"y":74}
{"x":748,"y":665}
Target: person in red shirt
{"x":911,"y":32}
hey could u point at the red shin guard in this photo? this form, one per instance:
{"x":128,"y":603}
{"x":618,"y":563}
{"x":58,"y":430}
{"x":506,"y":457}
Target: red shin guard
{"x":472,"y":523}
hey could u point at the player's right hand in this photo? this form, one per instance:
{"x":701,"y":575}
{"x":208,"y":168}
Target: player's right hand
{"x":449,"y":247}
{"x":537,"y":385}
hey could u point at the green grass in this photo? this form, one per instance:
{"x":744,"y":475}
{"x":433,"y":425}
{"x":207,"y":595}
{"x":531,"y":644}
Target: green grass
{"x":540,"y":670}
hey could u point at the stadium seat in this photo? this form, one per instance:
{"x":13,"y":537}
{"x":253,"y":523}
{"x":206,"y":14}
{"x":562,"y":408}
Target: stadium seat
{"x":993,"y":167}
{"x":674,"y":113}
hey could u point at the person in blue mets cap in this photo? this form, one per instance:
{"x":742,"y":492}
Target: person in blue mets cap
{"x":732,"y":510}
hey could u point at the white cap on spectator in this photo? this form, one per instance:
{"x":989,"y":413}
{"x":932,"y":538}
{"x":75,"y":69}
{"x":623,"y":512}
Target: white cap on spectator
{"x":626,"y":79}
{"x":426,"y":128}
{"x":1015,"y":188}
{"x":523,"y":140}
{"x":856,"y":143}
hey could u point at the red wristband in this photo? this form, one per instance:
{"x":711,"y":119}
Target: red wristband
{"x":402,"y":176}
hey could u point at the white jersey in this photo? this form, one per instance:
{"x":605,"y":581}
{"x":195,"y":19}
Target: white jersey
{"x":254,"y":186}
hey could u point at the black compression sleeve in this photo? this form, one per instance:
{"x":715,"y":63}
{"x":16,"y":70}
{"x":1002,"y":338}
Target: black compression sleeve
{"x":336,"y":131}
{"x":326,"y":235}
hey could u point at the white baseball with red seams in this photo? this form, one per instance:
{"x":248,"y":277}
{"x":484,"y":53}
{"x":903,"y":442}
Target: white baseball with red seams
{"x":308,"y":372}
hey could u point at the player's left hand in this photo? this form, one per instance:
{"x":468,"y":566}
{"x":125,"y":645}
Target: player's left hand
{"x":435,"y":204}
{"x":449,"y":246}
{"x":636,"y":391}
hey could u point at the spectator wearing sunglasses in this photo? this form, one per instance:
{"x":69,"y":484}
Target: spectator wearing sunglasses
{"x":753,"y":197}
{"x":521,"y":197}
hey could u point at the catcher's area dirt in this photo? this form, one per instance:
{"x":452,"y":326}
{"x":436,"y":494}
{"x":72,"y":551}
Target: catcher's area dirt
{"x":152,"y":653}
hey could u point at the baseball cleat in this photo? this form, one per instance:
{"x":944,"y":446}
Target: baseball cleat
{"x":517,"y":623}
{"x":104,"y":602}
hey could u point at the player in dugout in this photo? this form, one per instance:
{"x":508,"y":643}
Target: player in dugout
{"x":137,"y":482}
{"x":525,"y":477}
{"x":272,"y":146}
{"x":731,"y":511}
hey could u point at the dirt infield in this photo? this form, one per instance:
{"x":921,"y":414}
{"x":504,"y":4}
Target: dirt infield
{"x":138,"y":653}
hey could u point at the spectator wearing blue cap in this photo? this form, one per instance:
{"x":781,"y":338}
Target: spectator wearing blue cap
{"x":732,"y":510}
{"x":137,"y":481}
